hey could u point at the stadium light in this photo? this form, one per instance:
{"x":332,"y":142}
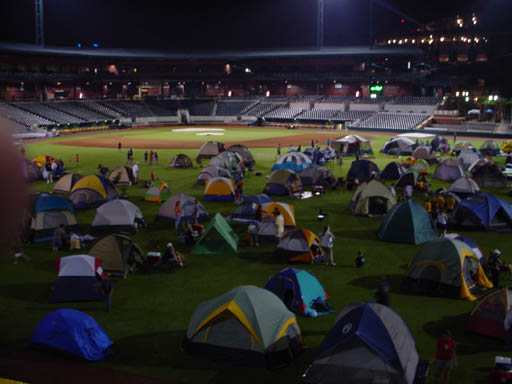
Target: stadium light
{"x":95,"y":45}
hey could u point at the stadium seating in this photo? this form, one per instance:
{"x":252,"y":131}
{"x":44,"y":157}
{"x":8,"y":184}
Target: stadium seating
{"x":415,"y":100}
{"x":130,"y":108}
{"x":201,"y":108}
{"x":353,"y":115}
{"x":393,"y":121}
{"x":261,"y":109}
{"x":47,"y":111}
{"x":306,"y":98}
{"x":233,"y":108}
{"x":162,"y":107}
{"x":12,"y":125}
{"x":318,"y":114}
{"x":369,"y":100}
{"x":77,"y":110}
{"x":283,"y":113}
{"x":22,"y":116}
{"x":336,"y":99}
{"x":102,"y":109}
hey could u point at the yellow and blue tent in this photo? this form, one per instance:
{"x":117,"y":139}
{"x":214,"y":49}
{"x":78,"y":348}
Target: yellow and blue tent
{"x":219,"y":188}
{"x":92,"y":191}
{"x":245,"y":324}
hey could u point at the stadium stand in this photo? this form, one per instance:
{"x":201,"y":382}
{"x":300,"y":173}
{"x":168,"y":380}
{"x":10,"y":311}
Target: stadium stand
{"x":369,"y":100}
{"x":336,"y":99}
{"x":12,"y":125}
{"x":353,"y":115}
{"x":130,"y":108}
{"x":318,"y":114}
{"x":22,"y":116}
{"x":261,"y":109}
{"x":76,"y":109}
{"x":284,"y":113}
{"x":306,"y":98}
{"x":415,"y":100}
{"x":100,"y":108}
{"x":162,"y":107}
{"x":201,"y":108}
{"x":233,"y":108}
{"x":48,"y":112}
{"x":393,"y":121}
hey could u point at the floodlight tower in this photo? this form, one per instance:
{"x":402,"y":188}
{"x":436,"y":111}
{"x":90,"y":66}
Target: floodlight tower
{"x":320,"y":25}
{"x":39,"y":22}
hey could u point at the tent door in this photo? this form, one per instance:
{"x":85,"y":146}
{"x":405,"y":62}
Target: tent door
{"x":430,"y":278}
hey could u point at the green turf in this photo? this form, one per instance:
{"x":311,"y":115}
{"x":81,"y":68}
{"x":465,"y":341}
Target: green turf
{"x":151,"y":311}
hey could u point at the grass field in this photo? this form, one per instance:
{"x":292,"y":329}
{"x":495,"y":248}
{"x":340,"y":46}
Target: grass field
{"x":151,"y":311}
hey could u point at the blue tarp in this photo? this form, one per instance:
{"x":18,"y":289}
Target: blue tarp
{"x":75,"y":332}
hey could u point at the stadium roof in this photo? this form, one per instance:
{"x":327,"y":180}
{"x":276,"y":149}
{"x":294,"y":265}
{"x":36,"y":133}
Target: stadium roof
{"x":31,"y":49}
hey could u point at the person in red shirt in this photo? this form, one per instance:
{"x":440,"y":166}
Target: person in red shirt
{"x":177,"y":213}
{"x":446,"y":357}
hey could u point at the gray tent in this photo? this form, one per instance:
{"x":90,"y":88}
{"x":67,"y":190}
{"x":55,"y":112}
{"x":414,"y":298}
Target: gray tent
{"x":228,"y":160}
{"x":117,"y":216}
{"x":468,"y":156}
{"x":398,"y":146}
{"x":369,"y":343}
{"x":267,"y":231}
{"x":464,"y":186}
{"x":212,"y":171}
{"x":244,"y":152}
{"x":316,"y":175}
{"x":424,"y":153}
{"x":209,"y":149}
{"x":448,"y":169}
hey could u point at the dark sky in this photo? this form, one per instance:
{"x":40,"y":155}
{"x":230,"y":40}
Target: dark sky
{"x":225,"y":24}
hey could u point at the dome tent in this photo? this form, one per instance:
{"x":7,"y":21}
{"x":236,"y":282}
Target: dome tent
{"x":362,"y":170}
{"x":489,"y":175}
{"x":398,"y":146}
{"x":392,"y":171}
{"x":31,"y":171}
{"x":117,"y":216}
{"x":299,"y":246}
{"x":212,"y":171}
{"x":468,"y":156}
{"x":299,"y":290}
{"x":448,"y":169}
{"x":181,"y":161}
{"x":66,"y":183}
{"x":117,"y":253}
{"x":409,"y":178}
{"x":227,"y":160}
{"x":157,"y":192}
{"x":74,"y":332}
{"x":316,"y":175}
{"x":424,"y":153}
{"x":47,"y":213}
{"x":188,"y":207}
{"x":446,"y":267}
{"x":121,"y":175}
{"x":246,"y":324}
{"x":464,"y":186}
{"x":490,"y":147}
{"x":209,"y":149}
{"x":219,"y":189}
{"x":92,"y":191}
{"x":286,"y":210}
{"x":244,"y":153}
{"x":372,"y":198}
{"x":368,"y":343}
{"x":488,"y":316}
{"x":294,"y":161}
{"x":407,"y":222}
{"x":282,"y":182}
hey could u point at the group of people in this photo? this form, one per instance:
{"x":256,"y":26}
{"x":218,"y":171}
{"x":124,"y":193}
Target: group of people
{"x":50,"y":170}
{"x":151,"y":157}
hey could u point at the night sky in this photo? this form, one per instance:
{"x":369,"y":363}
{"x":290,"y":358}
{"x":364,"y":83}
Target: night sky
{"x":243,"y":24}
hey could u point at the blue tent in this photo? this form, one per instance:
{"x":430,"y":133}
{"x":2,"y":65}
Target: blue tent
{"x":368,"y":343}
{"x":75,"y":332}
{"x":300,"y":291}
{"x":260,"y":199}
{"x":362,"y":170}
{"x":392,"y":171}
{"x":483,"y":210}
{"x":316,"y":156}
{"x":244,"y":213}
{"x":295,"y":161}
{"x":49,"y":212}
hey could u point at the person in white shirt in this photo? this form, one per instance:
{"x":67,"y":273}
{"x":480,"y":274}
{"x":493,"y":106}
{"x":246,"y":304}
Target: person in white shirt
{"x":279,"y":223}
{"x":135,"y":171}
{"x":392,"y":190}
{"x":442,"y":221}
{"x":408,"y":191}
{"x":508,"y":329}
{"x":54,"y":169}
{"x":327,"y":243}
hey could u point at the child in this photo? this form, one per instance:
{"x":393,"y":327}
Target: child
{"x":77,"y":160}
{"x":359,"y":262}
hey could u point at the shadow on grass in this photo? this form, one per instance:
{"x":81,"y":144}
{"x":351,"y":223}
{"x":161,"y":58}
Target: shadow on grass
{"x":360,"y":235}
{"x":29,"y":292}
{"x":371,"y":282}
{"x":467,"y":343}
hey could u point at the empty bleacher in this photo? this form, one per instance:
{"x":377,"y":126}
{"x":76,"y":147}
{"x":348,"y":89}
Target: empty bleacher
{"x":50,"y":113}
{"x":23,"y":116}
{"x":353,"y":115}
{"x":284,"y":113}
{"x":261,"y":109}
{"x":101,"y":108}
{"x":393,"y":121}
{"x":233,"y":108}
{"x":318,"y":114}
{"x":13,"y":126}
{"x":370,"y":100}
{"x":133,"y":108}
{"x":336,"y":99}
{"x":201,"y":108}
{"x":415,"y":100}
{"x":76,"y":109}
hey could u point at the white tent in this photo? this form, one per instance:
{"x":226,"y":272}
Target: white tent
{"x":117,"y":216}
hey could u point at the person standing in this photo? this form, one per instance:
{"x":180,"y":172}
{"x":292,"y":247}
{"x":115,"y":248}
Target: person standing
{"x":135,"y":171}
{"x":428,"y":207}
{"x":409,"y":190}
{"x":258,"y":213}
{"x":442,"y":222}
{"x":146,"y":156}
{"x":177,"y":214}
{"x":156,"y":157}
{"x":151,"y":157}
{"x":58,"y":238}
{"x":53,"y":172}
{"x":279,"y":223}
{"x":77,"y":159}
{"x":253,"y":233}
{"x":278,"y":154}
{"x":327,"y":243}
{"x":359,"y":261}
{"x":119,"y":146}
{"x":382,"y":292}
{"x":446,"y":357}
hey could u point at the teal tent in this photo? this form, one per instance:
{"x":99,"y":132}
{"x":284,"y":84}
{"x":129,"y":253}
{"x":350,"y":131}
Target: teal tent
{"x":407,"y":222}
{"x":218,"y":238}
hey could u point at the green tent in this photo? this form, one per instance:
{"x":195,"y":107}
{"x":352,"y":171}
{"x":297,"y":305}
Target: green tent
{"x":245,"y":324}
{"x":446,"y":267}
{"x":218,"y":238}
{"x":408,"y":222}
